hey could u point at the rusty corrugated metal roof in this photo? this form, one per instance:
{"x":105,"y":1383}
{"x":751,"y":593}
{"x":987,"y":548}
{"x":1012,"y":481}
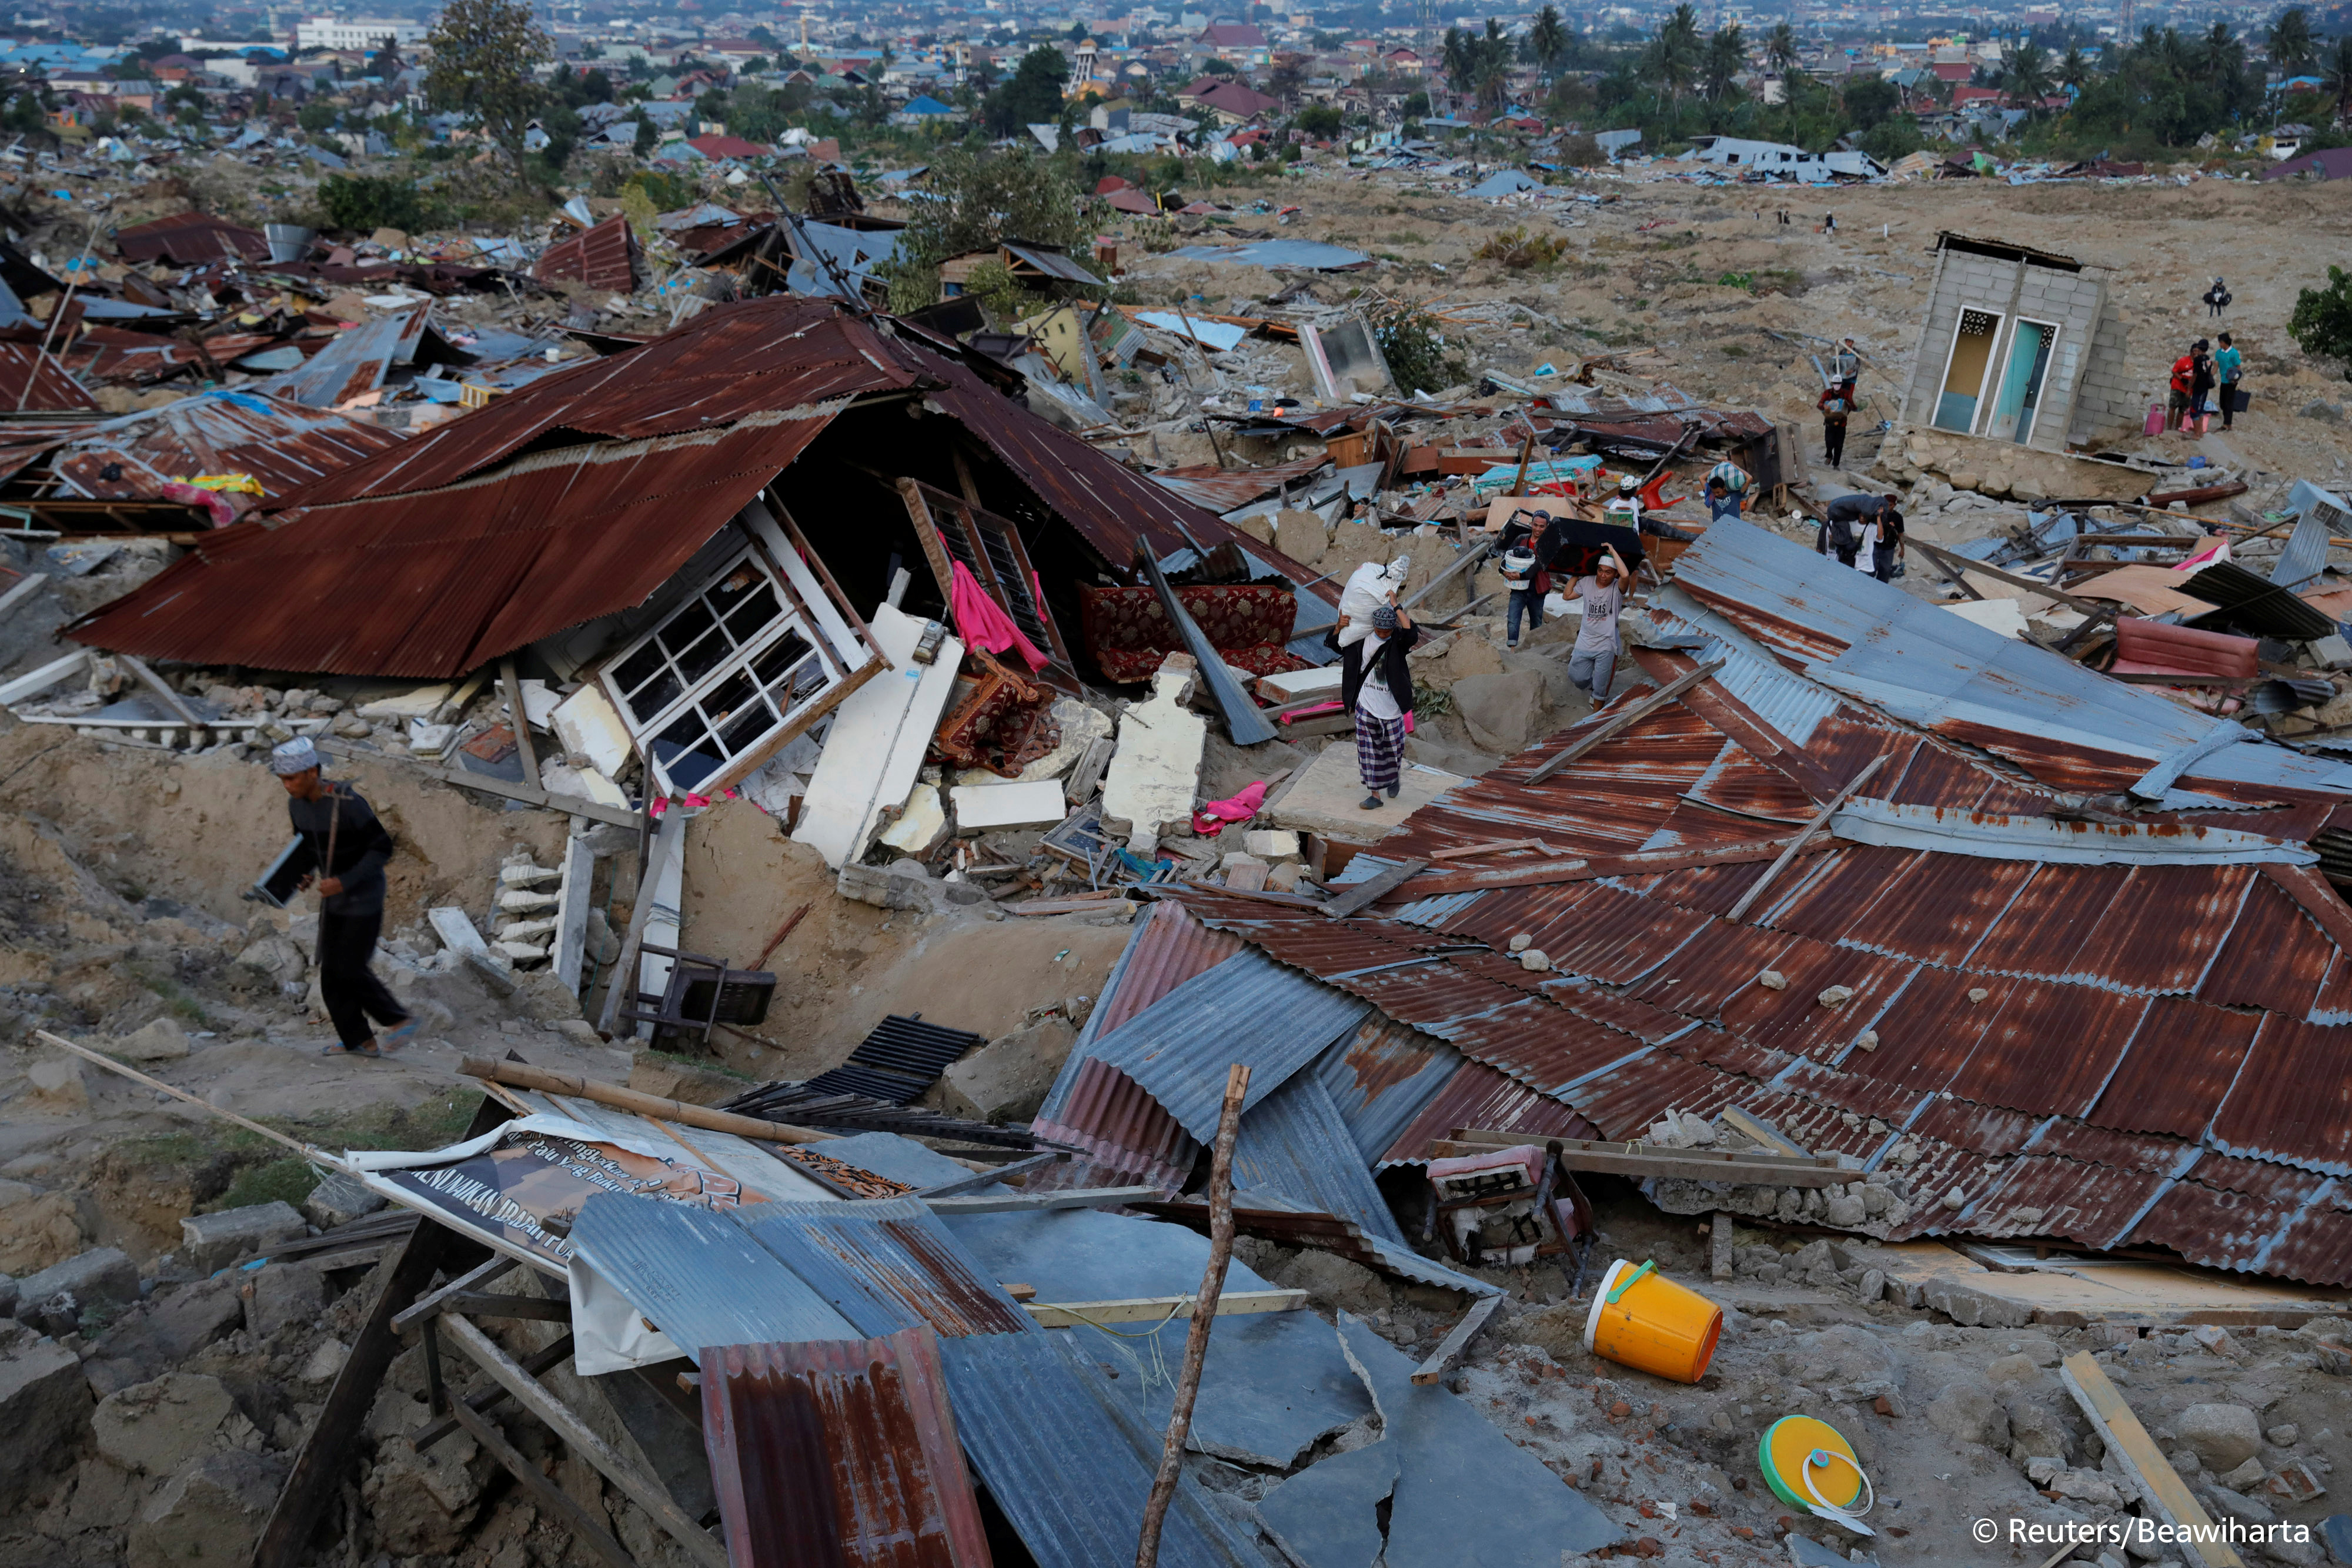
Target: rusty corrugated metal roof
{"x":1219,"y":489}
{"x":603,"y":256}
{"x":839,"y":1452}
{"x":1478,"y":1097}
{"x":887,"y":1265}
{"x":191,"y":239}
{"x":283,"y":445}
{"x":353,"y":362}
{"x":51,"y":387}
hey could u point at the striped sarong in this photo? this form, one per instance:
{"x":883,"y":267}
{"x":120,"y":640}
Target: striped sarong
{"x":1379,"y":749}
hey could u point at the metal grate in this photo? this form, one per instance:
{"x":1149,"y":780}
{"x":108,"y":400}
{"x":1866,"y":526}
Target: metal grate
{"x":903,"y":1057}
{"x":806,"y":1106}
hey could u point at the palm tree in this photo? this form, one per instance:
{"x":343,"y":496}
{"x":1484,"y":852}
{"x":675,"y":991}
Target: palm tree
{"x":2173,"y":53}
{"x":1491,"y":68}
{"x":2336,"y":75}
{"x":1781,"y":49}
{"x":2025,"y":72}
{"x":1726,"y":57}
{"x":2074,"y":71}
{"x":1455,"y":53}
{"x":1548,"y":41}
{"x":2220,"y":54}
{"x":2289,"y":40}
{"x":1673,"y":52}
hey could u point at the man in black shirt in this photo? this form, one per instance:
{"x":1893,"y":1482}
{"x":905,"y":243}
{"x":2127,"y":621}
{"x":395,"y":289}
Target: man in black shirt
{"x":348,"y":846}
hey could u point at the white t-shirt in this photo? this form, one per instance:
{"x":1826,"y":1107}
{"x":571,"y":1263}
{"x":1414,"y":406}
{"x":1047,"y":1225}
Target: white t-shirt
{"x":1601,"y":605}
{"x":1374,"y":698}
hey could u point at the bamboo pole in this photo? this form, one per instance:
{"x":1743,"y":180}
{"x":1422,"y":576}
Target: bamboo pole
{"x":1204,"y":1315}
{"x":308,"y":1150}
{"x":522,"y":1076}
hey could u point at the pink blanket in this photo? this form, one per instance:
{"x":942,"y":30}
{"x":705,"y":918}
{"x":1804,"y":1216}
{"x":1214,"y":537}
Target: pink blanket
{"x":982,"y":623}
{"x":1211,"y":820}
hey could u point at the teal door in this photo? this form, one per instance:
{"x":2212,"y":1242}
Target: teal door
{"x":2021,"y":383}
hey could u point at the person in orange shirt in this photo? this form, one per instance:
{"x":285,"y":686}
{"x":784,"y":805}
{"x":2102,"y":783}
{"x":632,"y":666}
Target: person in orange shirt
{"x":2184,"y":369}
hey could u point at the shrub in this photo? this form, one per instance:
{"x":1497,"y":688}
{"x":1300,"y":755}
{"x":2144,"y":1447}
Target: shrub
{"x":1414,"y":347}
{"x":367,"y":203}
{"x":1518,"y":250}
{"x":2322,"y":322}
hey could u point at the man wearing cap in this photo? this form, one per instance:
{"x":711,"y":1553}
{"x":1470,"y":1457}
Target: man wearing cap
{"x":349,"y":847}
{"x":1382,"y":703}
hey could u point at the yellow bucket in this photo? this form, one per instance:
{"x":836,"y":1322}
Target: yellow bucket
{"x":1641,"y":1319}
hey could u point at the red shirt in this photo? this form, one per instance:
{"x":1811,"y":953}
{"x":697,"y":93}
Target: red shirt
{"x":2181,"y":367}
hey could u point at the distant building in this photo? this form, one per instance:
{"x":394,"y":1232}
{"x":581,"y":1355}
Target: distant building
{"x":1779,"y":158}
{"x":355,"y":33}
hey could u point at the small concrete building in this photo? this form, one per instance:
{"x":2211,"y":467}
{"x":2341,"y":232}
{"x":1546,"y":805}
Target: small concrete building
{"x":2020,"y":346}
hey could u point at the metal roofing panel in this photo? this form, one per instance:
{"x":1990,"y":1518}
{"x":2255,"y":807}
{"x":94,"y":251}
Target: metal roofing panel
{"x":1066,"y":1465}
{"x":603,"y":257}
{"x":430,"y":586}
{"x":1794,"y":1018}
{"x":1164,"y":948}
{"x":2181,"y":1063}
{"x":1997,"y":835}
{"x":1723,"y":961}
{"x":839,"y":1453}
{"x":2093,"y":1206}
{"x":1304,"y":255}
{"x":1735,"y":781}
{"x":1937,"y":908}
{"x":1930,"y":1028}
{"x":50,"y":386}
{"x":1250,"y":1009}
{"x":2275,"y":957}
{"x":1381,"y":1077}
{"x":282,"y":444}
{"x":191,"y":239}
{"x":2160,"y":934}
{"x":2087,"y":1145}
{"x":1540,"y":1044}
{"x":2049,"y":920}
{"x":1618,"y":937}
{"x":1479,"y":1097}
{"x":2014,"y":1064}
{"x":886,"y":1265}
{"x":353,"y":362}
{"x":1294,"y":1142}
{"x":696,"y":1276}
{"x":2309,"y":1241}
{"x":2293,"y":1098}
{"x":1625,"y":1101}
{"x":1128,"y":1137}
{"x":1831,"y":894}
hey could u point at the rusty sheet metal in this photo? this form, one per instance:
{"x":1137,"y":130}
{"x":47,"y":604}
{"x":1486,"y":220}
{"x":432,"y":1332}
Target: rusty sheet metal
{"x":2162,"y":932}
{"x":1831,"y":894}
{"x":2293,"y":1098}
{"x":2032,"y":1195}
{"x":1165,"y":949}
{"x":1930,"y":1028}
{"x":1129,"y":1138}
{"x":430,"y":586}
{"x":191,"y":239}
{"x":887,"y":1265}
{"x":1938,"y":908}
{"x":113,"y":354}
{"x":1625,"y":1101}
{"x":603,"y":257}
{"x":1480,"y":1097}
{"x":51,"y":387}
{"x":2016,"y":1066}
{"x":353,"y":362}
{"x":1384,"y":1076}
{"x":2047,"y":923}
{"x":1216,"y":489}
{"x":1542,"y":1046}
{"x":2310,"y":1240}
{"x":2275,"y":957}
{"x":1618,"y":937}
{"x":1735,"y":781}
{"x":839,"y":1452}
{"x":2181,"y":1062}
{"x":283,"y":445}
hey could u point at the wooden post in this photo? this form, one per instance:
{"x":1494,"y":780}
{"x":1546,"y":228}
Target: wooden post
{"x":522,"y":722}
{"x":1204,"y":1315}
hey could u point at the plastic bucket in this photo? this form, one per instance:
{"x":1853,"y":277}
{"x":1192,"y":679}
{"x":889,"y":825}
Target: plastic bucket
{"x":1810,"y":1466}
{"x":1642,"y":1320}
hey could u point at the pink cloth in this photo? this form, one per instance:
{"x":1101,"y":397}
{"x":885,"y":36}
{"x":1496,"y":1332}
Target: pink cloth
{"x":981,"y":624}
{"x":1211,"y":820}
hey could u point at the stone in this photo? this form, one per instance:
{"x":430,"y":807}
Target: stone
{"x":325,"y":1362}
{"x":901,"y":884}
{"x":280,"y":1296}
{"x":1536,"y":960}
{"x":1844,"y":1211}
{"x":1301,"y":536}
{"x":603,"y":944}
{"x":1968,"y":1413}
{"x":45,"y":1407}
{"x":37,"y":1230}
{"x":1284,"y":877}
{"x":2245,"y":1477}
{"x":2086,"y":1485}
{"x":1866,"y":1040}
{"x":1773,"y":980}
{"x":923,"y":822}
{"x":2223,"y":1437}
{"x":2043,"y":1469}
{"x":1271,"y":844}
{"x":2226,"y":1502}
{"x":210,"y":1241}
{"x":101,"y":1277}
{"x":1522,"y":942}
{"x":59,"y":1086}
{"x":155,"y":1427}
{"x":1155,"y":774}
{"x":421,"y":1504}
{"x":2319,"y":408}
{"x":160,"y":1041}
{"x":339,"y":1200}
{"x":1835,"y":996}
{"x":1007,"y":1079}
{"x":211,"y":1514}
{"x":1503,"y":711}
{"x":2285,"y":1435}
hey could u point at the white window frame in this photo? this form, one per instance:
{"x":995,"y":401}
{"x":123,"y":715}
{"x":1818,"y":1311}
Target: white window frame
{"x":794,"y":621}
{"x":1951,"y":349}
{"x":2009,"y":350}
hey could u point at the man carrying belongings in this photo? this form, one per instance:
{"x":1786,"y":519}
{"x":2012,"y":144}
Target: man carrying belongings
{"x":348,"y":847}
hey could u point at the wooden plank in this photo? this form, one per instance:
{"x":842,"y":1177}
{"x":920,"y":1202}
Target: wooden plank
{"x":521,"y":1075}
{"x":495,"y":1306}
{"x":1493,"y":846}
{"x":1457,"y":1339}
{"x":2032,"y":585}
{"x":2159,"y":1485}
{"x":175,"y":704}
{"x":1159,"y":1309}
{"x":1028,"y":1202}
{"x":1675,"y":1167}
{"x":1609,"y":866}
{"x":471,"y":1280}
{"x":620,"y":989}
{"x":1361,"y":896}
{"x":550,"y":1495}
{"x":571,"y":911}
{"x":1820,"y":820}
{"x":521,"y":717}
{"x":647,"y":1495}
{"x":1765,"y":1133}
{"x":320,"y":1471}
{"x":1639,"y":708}
{"x":490,"y":1398}
{"x":22,"y":591}
{"x":993,"y":1173}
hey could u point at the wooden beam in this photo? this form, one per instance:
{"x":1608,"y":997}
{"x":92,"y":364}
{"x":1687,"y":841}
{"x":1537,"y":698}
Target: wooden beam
{"x":585,"y":1444}
{"x":2152,"y":1474}
{"x":1362,"y":894}
{"x":521,"y":1075}
{"x":490,"y":1398}
{"x":550,"y":1495}
{"x":576,"y":805}
{"x":320,"y":1472}
{"x":1159,"y":1309}
{"x":1796,"y":847}
{"x":1639,"y":708}
{"x":2032,"y":585}
{"x":1599,"y":866}
{"x":993,"y":1173}
{"x":1765,"y":1133}
{"x":22,"y":591}
{"x":1031,"y":1202}
{"x":471,"y":1280}
{"x":172,"y":702}
{"x":494,"y":1306}
{"x":621,"y":987}
{"x":1457,"y":1339}
{"x":1646,"y":1159}
{"x":521,"y":717}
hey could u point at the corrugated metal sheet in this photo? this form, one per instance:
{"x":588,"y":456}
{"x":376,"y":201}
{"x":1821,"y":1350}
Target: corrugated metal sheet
{"x":1294,"y":1142}
{"x":841,"y":1453}
{"x":1219,"y":489}
{"x":2293,"y":1098}
{"x":283,"y":445}
{"x":887,"y":1266}
{"x":2181,"y":1062}
{"x":191,"y":239}
{"x":353,"y":362}
{"x":1128,"y":1137}
{"x":1248,"y":1009}
{"x":1478,"y":1097}
{"x":1166,"y":947}
{"x":1383,"y":1076}
{"x":697,"y":1276}
{"x":603,"y":257}
{"x":432,"y":585}
{"x":1066,"y":1464}
{"x":51,"y":387}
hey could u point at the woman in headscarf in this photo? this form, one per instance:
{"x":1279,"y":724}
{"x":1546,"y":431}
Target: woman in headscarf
{"x":1382,"y":703}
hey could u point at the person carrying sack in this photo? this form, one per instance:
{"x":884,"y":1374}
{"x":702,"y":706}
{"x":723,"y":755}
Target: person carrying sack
{"x":1382,"y":703}
{"x":348,"y":847}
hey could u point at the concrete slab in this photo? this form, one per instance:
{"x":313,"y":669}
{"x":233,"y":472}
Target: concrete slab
{"x":1155,"y":773}
{"x":2074,"y":1292}
{"x":1464,"y":1492}
{"x":1327,"y":1516}
{"x":980,"y":807}
{"x":879,"y":734}
{"x":589,"y":725}
{"x":922,"y":824}
{"x":1327,"y":798}
{"x":1273,"y":1384}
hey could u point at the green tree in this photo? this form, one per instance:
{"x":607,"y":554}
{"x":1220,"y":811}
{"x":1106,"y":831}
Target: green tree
{"x":2322,"y":322}
{"x":1871,"y":101}
{"x":2289,"y":40}
{"x":1031,"y":95}
{"x":1548,"y":41}
{"x":483,"y":52}
{"x":2219,"y":52}
{"x":1673,"y":57}
{"x":1726,"y":57}
{"x":2336,"y":74}
{"x":2074,"y":70}
{"x":979,"y":199}
{"x":1319,"y":120}
{"x":1781,"y":49}
{"x":1491,"y":68}
{"x":317,"y":115}
{"x":647,"y":137}
{"x":2025,"y":74}
{"x":1897,"y":136}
